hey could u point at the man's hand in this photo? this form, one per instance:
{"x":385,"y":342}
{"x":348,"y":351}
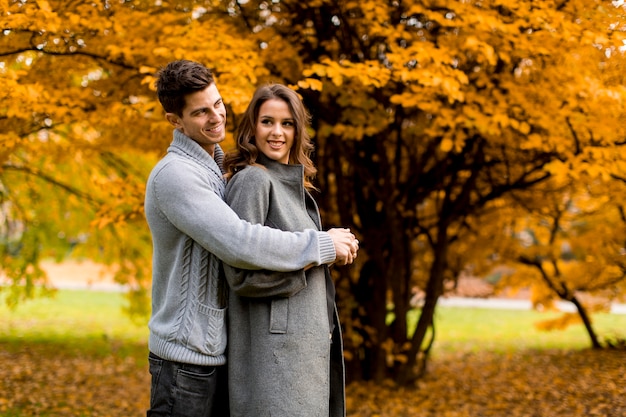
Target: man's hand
{"x":346,"y":245}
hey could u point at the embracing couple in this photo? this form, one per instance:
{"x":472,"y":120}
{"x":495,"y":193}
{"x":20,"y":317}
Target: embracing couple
{"x":244,"y":321}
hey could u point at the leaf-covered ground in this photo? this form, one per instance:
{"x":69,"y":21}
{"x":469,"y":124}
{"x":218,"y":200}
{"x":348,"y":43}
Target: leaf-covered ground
{"x":39,"y":380}
{"x":530,"y":384}
{"x":42,"y":380}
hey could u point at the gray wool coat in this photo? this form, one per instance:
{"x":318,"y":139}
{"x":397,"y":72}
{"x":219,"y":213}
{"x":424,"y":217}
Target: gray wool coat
{"x":285,"y":354}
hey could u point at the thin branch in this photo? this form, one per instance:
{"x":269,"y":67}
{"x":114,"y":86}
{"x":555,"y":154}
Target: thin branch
{"x":40,"y":174}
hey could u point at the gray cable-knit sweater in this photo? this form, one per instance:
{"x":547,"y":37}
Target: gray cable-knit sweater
{"x":192,"y":229}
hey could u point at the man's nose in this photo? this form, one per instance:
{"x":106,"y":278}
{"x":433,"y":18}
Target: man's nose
{"x":213,"y":114}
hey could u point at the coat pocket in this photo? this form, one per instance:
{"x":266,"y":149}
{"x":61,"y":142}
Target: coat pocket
{"x":208,"y":330}
{"x":279,"y":315}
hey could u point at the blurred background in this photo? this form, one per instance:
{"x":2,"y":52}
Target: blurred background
{"x":477,"y":148}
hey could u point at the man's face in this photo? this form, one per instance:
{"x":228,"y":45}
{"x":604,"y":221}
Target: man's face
{"x":203,"y":119}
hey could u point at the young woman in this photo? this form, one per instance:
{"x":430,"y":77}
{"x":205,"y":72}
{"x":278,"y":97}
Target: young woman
{"x":284,"y":348}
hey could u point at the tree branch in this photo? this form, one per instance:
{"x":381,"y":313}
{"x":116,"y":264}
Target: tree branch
{"x":40,"y":174}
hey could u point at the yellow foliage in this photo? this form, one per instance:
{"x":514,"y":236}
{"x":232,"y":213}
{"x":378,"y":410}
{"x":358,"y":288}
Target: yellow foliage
{"x":446,"y":145}
{"x":311,"y":83}
{"x":560,"y":323}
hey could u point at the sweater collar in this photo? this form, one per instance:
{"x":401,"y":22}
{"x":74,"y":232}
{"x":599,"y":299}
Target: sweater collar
{"x":183,"y":143}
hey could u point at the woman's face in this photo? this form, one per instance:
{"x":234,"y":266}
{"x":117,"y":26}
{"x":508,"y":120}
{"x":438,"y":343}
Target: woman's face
{"x":275,"y":130}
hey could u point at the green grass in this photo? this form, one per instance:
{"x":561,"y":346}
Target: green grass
{"x":475,"y":329}
{"x":94,"y":322}
{"x":90,"y":322}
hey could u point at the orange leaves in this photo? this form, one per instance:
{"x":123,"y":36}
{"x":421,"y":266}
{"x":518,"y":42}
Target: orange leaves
{"x":430,"y":84}
{"x":8,"y":143}
{"x":125,"y":204}
{"x":485,"y":50}
{"x":560,"y":323}
{"x":40,"y":380}
{"x":368,"y":73}
{"x":327,"y":69}
{"x":568,"y":242}
{"x":496,"y":385}
{"x":43,"y":5}
{"x":311,"y":83}
{"x":21,"y":100}
{"x":32,"y":16}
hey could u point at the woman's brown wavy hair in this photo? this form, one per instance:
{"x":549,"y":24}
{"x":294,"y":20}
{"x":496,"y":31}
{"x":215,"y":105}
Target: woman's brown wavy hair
{"x":246,"y":152}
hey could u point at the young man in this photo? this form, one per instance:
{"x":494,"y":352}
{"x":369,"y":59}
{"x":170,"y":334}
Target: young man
{"x":192,"y":230}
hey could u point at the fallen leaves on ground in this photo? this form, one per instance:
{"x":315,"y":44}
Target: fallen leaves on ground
{"x":36,"y":380}
{"x":529,"y":384}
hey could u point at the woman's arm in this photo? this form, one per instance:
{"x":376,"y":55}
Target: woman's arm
{"x":248,"y":195}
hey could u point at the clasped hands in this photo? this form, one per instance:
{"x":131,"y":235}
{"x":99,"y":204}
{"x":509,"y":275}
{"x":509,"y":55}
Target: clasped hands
{"x":346,"y":245}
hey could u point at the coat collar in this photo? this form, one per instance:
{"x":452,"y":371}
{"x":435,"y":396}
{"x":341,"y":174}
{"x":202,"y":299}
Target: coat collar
{"x":289,"y":172}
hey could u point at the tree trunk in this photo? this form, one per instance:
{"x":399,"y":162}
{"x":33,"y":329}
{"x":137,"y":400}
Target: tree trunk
{"x":582,"y":312}
{"x":434,"y":289}
{"x":370,"y":299}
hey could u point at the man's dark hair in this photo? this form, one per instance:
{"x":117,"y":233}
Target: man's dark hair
{"x":177,"y":80}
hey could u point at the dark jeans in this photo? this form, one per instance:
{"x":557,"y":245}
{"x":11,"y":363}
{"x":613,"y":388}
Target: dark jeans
{"x":184,"y":390}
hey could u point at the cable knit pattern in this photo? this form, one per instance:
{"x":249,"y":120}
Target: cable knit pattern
{"x":184,"y":284}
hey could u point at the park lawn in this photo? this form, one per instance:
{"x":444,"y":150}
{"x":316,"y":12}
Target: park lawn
{"x":79,"y":355}
{"x":473,"y":329}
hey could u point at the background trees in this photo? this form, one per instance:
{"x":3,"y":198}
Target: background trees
{"x":429,"y":116}
{"x":443,"y":129}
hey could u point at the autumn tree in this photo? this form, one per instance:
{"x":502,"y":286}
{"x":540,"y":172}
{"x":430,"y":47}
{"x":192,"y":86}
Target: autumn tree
{"x":427,"y":114}
{"x":81,"y":127}
{"x":566,"y":242}
{"x":428,"y":111}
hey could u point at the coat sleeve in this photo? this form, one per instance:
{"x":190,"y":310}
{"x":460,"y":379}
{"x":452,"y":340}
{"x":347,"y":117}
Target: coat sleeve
{"x":248,"y":195}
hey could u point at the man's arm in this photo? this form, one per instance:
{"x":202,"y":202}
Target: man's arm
{"x":248,"y":194}
{"x":201,"y":214}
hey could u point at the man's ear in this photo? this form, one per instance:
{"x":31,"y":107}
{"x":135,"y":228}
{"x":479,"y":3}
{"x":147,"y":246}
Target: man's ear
{"x":173,"y":119}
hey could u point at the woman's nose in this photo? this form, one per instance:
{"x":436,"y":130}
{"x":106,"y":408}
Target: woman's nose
{"x":277,"y":130}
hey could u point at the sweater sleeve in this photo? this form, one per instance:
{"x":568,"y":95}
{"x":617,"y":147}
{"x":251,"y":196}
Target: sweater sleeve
{"x":248,"y":195}
{"x":199,"y":212}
